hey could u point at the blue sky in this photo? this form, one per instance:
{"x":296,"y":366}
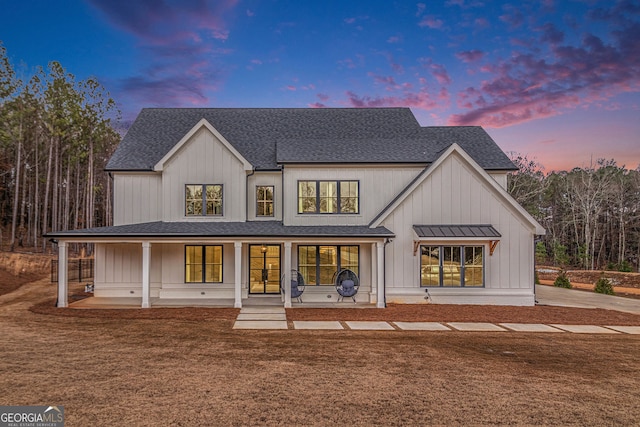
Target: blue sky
{"x":556,"y":80}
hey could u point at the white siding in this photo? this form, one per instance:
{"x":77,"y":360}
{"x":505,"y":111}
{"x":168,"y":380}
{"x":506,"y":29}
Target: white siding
{"x":204,"y":160}
{"x":456,"y":194}
{"x":137,"y":197}
{"x":500,"y":178}
{"x":265,"y":178}
{"x":118,"y":269}
{"x":378,"y":186}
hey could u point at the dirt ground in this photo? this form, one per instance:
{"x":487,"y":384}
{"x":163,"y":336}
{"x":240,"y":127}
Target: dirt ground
{"x":189,"y":367}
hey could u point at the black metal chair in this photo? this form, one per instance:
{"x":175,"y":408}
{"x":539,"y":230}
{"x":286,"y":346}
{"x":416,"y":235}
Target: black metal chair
{"x":347,"y":284}
{"x":297,"y":285}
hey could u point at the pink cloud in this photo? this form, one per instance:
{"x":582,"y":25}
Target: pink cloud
{"x":394,"y":39}
{"x":162,"y":21}
{"x":470,"y":55}
{"x":432,"y":22}
{"x":178,"y":43}
{"x":527,"y":86}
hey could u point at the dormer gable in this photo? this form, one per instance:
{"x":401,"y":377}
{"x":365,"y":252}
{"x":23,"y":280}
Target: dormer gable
{"x":203,"y":123}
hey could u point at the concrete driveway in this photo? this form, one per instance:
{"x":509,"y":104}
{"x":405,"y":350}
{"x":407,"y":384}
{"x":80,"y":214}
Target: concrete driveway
{"x":551,"y":295}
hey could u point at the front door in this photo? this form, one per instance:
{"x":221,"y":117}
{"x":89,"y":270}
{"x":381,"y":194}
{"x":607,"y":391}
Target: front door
{"x":264,"y":274}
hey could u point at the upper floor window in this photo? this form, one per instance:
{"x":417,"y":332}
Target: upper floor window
{"x":328,"y":197}
{"x":203,"y":199}
{"x":264,"y":200}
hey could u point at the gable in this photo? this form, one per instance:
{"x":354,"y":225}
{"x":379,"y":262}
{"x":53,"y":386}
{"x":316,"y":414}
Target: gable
{"x":202,"y":124}
{"x":456,"y":190}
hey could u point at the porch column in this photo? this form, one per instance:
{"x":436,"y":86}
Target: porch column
{"x":62,"y":274}
{"x":287,"y":274}
{"x":380,"y":276}
{"x":238,"y":275}
{"x":374,"y":274}
{"x":146,"y":273}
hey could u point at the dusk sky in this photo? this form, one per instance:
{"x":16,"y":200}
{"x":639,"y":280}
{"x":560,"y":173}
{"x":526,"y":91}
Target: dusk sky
{"x":556,"y":80}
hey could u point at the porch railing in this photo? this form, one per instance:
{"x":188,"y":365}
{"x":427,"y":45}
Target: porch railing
{"x":77,"y":269}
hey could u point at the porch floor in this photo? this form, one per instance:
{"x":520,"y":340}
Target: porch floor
{"x":133,"y":302}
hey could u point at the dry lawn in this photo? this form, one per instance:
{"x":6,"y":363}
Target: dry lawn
{"x":120,"y":370}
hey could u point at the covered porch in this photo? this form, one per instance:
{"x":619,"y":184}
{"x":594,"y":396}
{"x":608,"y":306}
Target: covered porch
{"x":159,"y":273}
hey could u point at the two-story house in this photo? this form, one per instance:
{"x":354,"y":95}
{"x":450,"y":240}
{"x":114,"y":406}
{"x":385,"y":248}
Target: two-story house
{"x":220,"y":204}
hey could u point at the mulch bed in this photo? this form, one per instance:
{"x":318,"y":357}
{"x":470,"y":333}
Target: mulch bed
{"x":394,"y":312}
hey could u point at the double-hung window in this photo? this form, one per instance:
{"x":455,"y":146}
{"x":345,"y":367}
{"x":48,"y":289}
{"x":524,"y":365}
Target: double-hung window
{"x":264,"y":200}
{"x":452,"y":266}
{"x":318,"y":264}
{"x":203,"y":264}
{"x":202,"y":200}
{"x":331,"y":197}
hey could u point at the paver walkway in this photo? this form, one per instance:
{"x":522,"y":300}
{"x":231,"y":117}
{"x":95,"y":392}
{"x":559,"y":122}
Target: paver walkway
{"x":276,"y":318}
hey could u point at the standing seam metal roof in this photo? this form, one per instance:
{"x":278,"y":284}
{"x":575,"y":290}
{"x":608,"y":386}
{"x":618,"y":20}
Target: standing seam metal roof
{"x":463,"y":230}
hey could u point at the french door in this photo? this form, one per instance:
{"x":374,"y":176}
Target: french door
{"x":264,"y":270}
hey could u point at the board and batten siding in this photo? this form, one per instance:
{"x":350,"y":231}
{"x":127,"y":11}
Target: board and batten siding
{"x":137,"y":197}
{"x":118,"y":270}
{"x":455,"y":193}
{"x":379,"y":184}
{"x":204,"y":160}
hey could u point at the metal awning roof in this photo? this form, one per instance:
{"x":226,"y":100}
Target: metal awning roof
{"x":457,"y":231}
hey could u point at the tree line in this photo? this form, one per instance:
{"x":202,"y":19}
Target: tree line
{"x":591,"y":214}
{"x":56,"y":136}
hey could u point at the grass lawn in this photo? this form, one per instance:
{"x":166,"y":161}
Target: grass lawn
{"x":112,"y":371}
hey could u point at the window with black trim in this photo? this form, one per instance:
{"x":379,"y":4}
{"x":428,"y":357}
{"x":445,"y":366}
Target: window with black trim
{"x":452,"y":266}
{"x":203,"y":264}
{"x":264,"y":200}
{"x":318,"y":263}
{"x":202,"y":200}
{"x":328,"y":197}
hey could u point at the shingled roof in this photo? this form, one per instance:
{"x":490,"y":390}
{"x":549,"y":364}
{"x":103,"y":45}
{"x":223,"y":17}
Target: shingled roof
{"x":269,"y":137}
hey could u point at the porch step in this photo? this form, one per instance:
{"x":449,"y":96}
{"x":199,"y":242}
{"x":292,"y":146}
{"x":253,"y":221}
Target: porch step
{"x":261,"y":318}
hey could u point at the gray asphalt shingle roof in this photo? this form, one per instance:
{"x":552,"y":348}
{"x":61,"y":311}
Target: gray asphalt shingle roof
{"x":268,"y":137}
{"x":223,"y":229}
{"x":466,"y":230}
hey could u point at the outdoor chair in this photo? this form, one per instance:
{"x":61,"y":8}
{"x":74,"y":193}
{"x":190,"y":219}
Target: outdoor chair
{"x":297,"y":285}
{"x":347,"y":284}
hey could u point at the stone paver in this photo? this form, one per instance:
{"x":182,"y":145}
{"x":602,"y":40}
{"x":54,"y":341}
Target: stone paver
{"x":585,"y":329}
{"x":370,"y":326}
{"x":320,"y":324}
{"x":476,"y":327}
{"x":256,"y":310}
{"x":421,"y":326}
{"x":529,"y":327}
{"x":634,"y":330}
{"x":261,"y":316}
{"x":260,"y":324}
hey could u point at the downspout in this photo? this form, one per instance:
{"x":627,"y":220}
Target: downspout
{"x":282,"y":192}
{"x":246,"y":196}
{"x":384,"y":270}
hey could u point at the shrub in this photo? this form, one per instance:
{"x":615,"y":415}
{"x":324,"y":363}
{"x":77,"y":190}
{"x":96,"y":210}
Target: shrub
{"x":536,"y":279}
{"x":562,"y":281}
{"x":604,"y":286}
{"x":625,"y":267}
